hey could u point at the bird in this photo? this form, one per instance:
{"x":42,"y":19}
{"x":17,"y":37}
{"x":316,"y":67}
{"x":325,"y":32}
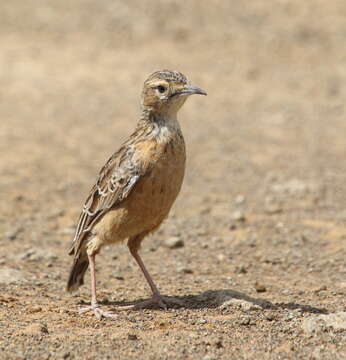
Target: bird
{"x":136,"y":187}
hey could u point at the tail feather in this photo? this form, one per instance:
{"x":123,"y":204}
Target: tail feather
{"x":78,"y":269}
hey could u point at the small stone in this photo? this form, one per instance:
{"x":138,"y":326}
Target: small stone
{"x":238,"y":216}
{"x":269,"y":316}
{"x":26,"y":254}
{"x":221,"y":257}
{"x":174,"y":242}
{"x":240,"y":304}
{"x":132,"y":337}
{"x":233,"y":226}
{"x":260,"y":287}
{"x":35,"y":309}
{"x":245,"y":320}
{"x":241,"y":269}
{"x":289,"y":316}
{"x":184,"y":270}
{"x":12,"y":234}
{"x":36,"y":329}
{"x":320,"y":288}
{"x":201,"y":321}
{"x":272,"y":208}
{"x":219,"y":344}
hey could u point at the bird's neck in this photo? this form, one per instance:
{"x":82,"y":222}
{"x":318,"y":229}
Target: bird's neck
{"x":164,"y":125}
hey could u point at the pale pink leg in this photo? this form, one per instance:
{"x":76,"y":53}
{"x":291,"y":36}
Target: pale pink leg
{"x":94,"y":305}
{"x":157,"y":298}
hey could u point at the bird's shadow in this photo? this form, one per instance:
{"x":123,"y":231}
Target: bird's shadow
{"x":212,"y":299}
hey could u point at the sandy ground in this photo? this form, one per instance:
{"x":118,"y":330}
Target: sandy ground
{"x":262,"y":212}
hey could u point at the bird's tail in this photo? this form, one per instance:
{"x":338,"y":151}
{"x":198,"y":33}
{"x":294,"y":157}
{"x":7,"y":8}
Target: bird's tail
{"x":78,"y":269}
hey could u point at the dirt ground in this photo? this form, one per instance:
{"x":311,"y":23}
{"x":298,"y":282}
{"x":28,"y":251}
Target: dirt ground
{"x":262,"y":215}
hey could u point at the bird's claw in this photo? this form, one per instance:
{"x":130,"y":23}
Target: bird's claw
{"x":99,"y":313}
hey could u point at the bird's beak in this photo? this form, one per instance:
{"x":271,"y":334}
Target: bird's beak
{"x":190,"y":90}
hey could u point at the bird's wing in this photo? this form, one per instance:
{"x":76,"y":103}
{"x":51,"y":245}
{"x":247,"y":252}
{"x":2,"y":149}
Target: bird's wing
{"x":115,"y":182}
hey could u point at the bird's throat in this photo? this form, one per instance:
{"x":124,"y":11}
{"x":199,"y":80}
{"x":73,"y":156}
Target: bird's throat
{"x":163,"y":125}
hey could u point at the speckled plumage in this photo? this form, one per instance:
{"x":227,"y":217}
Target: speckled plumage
{"x":139,"y":183}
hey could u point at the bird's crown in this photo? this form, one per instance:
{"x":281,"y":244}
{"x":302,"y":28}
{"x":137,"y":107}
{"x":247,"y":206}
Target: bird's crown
{"x":169,"y":76}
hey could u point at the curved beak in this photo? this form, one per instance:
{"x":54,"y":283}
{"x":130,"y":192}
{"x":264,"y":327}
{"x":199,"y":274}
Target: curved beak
{"x":190,"y":90}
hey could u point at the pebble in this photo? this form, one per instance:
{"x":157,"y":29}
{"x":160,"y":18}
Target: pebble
{"x":174,"y":242}
{"x":245,"y":320}
{"x":132,"y":337}
{"x":290,"y":316}
{"x":320,"y":288}
{"x":184,"y":270}
{"x":221,"y":257}
{"x":272,"y":208}
{"x":233,"y":226}
{"x":35,"y":309}
{"x":66,"y":355}
{"x":260,"y":287}
{"x":240,"y":304}
{"x":36,"y":329}
{"x":269,"y":316}
{"x":238,"y":216}
{"x":286,"y":292}
{"x":12,"y":235}
{"x":241,"y":269}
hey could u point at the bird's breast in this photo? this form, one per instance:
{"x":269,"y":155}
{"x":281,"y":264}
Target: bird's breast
{"x":157,"y":190}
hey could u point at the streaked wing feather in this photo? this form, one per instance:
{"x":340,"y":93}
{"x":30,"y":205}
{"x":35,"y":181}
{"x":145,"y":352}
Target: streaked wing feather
{"x":115,"y":182}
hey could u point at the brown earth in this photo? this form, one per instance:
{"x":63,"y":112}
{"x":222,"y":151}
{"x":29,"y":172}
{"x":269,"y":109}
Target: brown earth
{"x":262,"y":212}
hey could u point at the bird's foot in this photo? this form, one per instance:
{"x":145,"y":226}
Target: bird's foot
{"x":164,"y":302}
{"x":99,"y":313}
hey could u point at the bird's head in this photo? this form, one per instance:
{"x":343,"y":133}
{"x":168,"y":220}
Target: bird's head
{"x":166,"y":91}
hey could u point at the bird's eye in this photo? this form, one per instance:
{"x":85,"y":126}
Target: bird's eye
{"x":161,"y":89}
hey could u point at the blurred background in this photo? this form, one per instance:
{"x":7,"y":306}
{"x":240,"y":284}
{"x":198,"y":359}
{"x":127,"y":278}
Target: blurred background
{"x":72,"y":72}
{"x":265,"y":182}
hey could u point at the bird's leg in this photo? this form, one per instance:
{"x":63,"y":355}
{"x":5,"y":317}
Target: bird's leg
{"x":157,"y":298}
{"x":94,"y":305}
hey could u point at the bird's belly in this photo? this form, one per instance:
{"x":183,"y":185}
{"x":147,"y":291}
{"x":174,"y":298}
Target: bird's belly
{"x":149,"y":202}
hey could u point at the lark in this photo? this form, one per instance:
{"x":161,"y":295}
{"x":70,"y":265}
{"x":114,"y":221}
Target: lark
{"x":137,"y":186}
